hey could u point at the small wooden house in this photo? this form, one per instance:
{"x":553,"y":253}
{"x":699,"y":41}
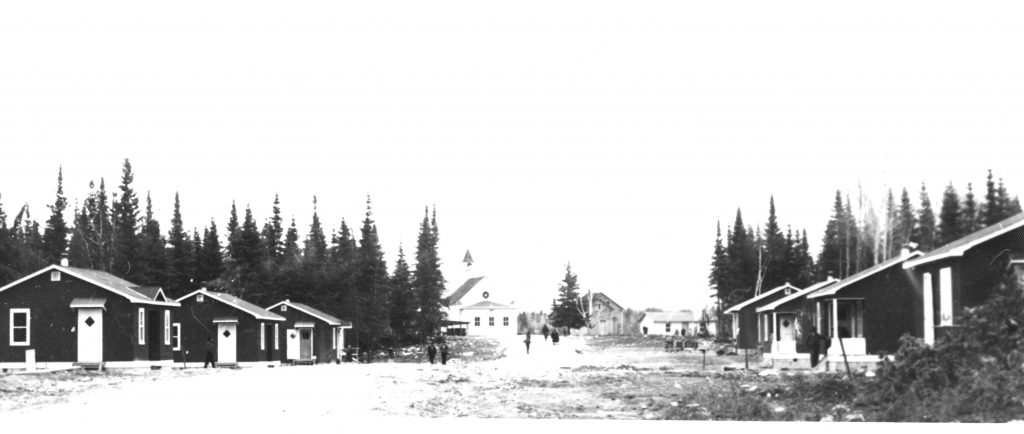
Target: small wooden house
{"x":682,"y":323}
{"x":606,"y":316}
{"x":783,"y":317}
{"x":243,"y":333}
{"x":62,"y":316}
{"x":964,"y":272}
{"x":309,"y":335}
{"x":869,"y":310}
{"x":745,"y":327}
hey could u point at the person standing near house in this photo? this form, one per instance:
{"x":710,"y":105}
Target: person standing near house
{"x":444,"y":353}
{"x":431,"y":352}
{"x":527,"y":341}
{"x":814,"y":342}
{"x":554,"y":337}
{"x":545,"y":331}
{"x":209,"y":353}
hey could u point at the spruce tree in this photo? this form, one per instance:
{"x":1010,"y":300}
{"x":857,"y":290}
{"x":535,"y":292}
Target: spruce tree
{"x":869,"y":242}
{"x":291,"y":244}
{"x":905,"y":222}
{"x":567,"y":309}
{"x":79,"y":247}
{"x":125,"y":219}
{"x":316,"y":243}
{"x":210,"y":262}
{"x":970,"y":221}
{"x":403,"y":305}
{"x":892,"y":247}
{"x":774,"y":261}
{"x":925,"y":229}
{"x":152,"y":257}
{"x":950,"y":224}
{"x":372,"y":284}
{"x":101,"y":237}
{"x":427,"y":280}
{"x":233,"y":230}
{"x":180,"y":255}
{"x":55,"y":237}
{"x":719,"y":265}
{"x":250,"y":254}
{"x":830,"y":260}
{"x":272,"y":232}
{"x":992,"y":210}
{"x":742,"y":254}
{"x":1005,"y":203}
{"x":1014,"y":207}
{"x":344,"y":261}
{"x":808,"y":269}
{"x":851,"y":237}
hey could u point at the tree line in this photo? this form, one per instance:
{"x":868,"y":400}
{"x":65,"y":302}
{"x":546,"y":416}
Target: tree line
{"x":856,"y":237}
{"x":346,"y":276}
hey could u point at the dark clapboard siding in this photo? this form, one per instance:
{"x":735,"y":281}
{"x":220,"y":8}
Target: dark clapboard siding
{"x":197,"y":324}
{"x":321,"y":334}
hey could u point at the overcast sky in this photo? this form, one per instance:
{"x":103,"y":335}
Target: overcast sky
{"x":611,"y":135}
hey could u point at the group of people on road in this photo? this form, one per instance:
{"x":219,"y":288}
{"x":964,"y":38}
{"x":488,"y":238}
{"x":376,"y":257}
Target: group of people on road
{"x":546,"y":332}
{"x":432,"y":352}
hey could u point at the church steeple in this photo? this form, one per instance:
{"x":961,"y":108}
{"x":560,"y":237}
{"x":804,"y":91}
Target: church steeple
{"x":468,"y":260}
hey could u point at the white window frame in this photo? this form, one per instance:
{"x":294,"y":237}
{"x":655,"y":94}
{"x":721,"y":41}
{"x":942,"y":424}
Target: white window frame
{"x":27,"y":327}
{"x":284,"y":308}
{"x":263,"y":336}
{"x":277,"y":336}
{"x":476,"y":321}
{"x":200,"y":298}
{"x":55,"y":276}
{"x":142,"y":326}
{"x":505,"y":322}
{"x":167,"y":327}
{"x":490,"y":321}
{"x":176,"y":336}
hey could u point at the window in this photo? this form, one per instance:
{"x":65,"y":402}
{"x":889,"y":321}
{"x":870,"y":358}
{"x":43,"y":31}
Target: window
{"x":277,"y":337}
{"x":55,"y":276}
{"x":20,"y":327}
{"x":176,"y":336}
{"x":167,"y":327}
{"x":200,"y":298}
{"x":490,"y":321}
{"x":263,"y":336}
{"x":505,"y":322}
{"x":476,"y":321}
{"x":142,"y":326}
{"x":668,"y":327}
{"x":284,"y":308}
{"x":851,"y":318}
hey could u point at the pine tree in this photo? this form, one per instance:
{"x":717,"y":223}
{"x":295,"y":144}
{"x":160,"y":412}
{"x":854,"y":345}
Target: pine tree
{"x":427,"y":280}
{"x":742,"y":255}
{"x":152,"y":257}
{"x":970,"y":220}
{"x":181,"y":255}
{"x":233,"y":229}
{"x":125,"y":221}
{"x":344,"y":260}
{"x":101,"y":226}
{"x":249,"y":252}
{"x":272,"y":232}
{"x":291,"y":244}
{"x":925,"y":229}
{"x":950,"y":224}
{"x":55,"y":237}
{"x":567,"y":309}
{"x":316,"y":242}
{"x":403,"y":305}
{"x":372,"y":284}
{"x":808,"y":269}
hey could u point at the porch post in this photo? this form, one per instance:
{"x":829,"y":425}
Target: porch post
{"x":946,"y":296}
{"x":775,"y":326}
{"x":929,"y":309}
{"x":835,"y":318}
{"x":817,"y":316}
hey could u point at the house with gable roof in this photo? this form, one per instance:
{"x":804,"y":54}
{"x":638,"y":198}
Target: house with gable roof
{"x":309,"y":335}
{"x":61,"y":316}
{"x":964,"y":272}
{"x":682,"y":323}
{"x":243,"y":333}
{"x":606,"y":316}
{"x":869,"y":310}
{"x":746,"y":329}
{"x":782,"y":318}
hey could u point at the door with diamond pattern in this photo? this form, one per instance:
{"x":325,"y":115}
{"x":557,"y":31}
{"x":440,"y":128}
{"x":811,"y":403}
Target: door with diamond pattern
{"x":226,"y":338}
{"x":90,"y":335}
{"x":292,"y":344}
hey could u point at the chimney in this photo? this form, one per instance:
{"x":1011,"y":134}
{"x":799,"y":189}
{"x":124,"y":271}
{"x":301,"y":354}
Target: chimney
{"x":64,"y":260}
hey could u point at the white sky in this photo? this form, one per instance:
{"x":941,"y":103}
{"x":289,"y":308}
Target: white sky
{"x":608,"y":134}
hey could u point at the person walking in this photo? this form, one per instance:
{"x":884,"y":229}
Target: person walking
{"x":527,"y":341}
{"x":209,"y":353}
{"x":431,"y":352}
{"x":545,"y":331}
{"x":444,"y":353}
{"x":554,"y":337}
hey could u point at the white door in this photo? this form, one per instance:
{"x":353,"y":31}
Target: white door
{"x":291,"y":344}
{"x":787,"y":328}
{"x":226,"y":338}
{"x":90,"y":335}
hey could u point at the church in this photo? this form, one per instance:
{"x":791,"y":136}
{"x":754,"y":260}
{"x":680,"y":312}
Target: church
{"x":480,"y":306}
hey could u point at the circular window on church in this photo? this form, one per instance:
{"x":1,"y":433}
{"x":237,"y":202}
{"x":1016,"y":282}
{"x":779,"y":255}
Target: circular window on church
{"x":486,"y":294}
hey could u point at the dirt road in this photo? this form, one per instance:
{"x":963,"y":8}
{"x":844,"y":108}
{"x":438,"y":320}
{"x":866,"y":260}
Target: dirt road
{"x":571,"y":380}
